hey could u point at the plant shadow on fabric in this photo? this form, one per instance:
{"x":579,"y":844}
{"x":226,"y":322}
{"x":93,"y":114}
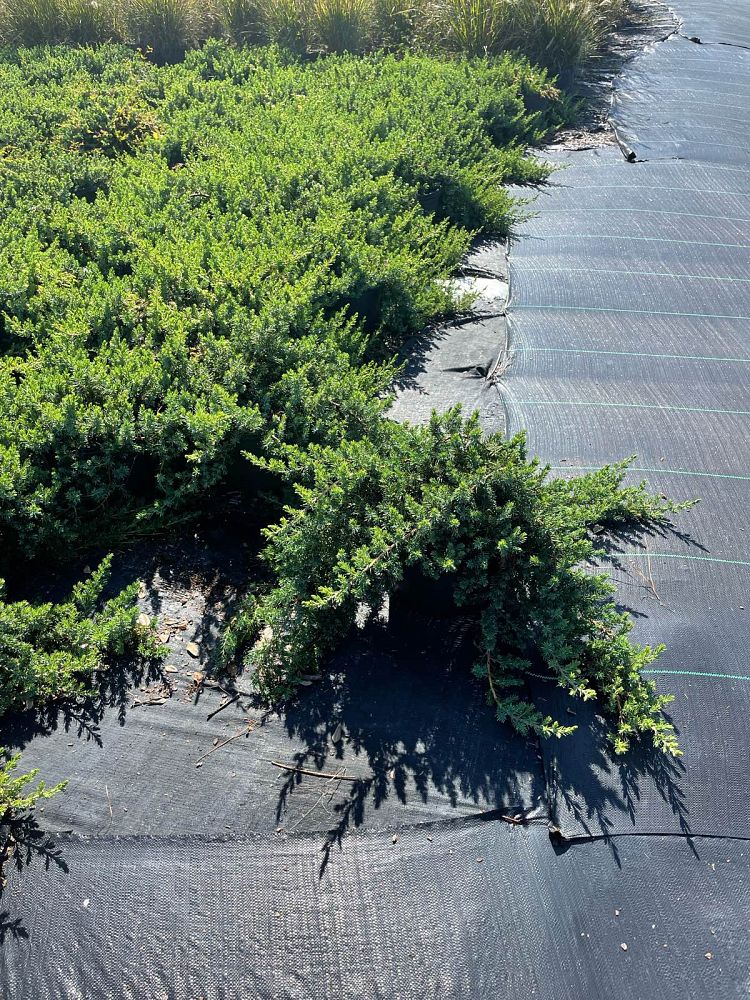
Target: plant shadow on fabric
{"x":24,"y":843}
{"x":411,"y":716}
{"x":82,"y":717}
{"x":426,"y":733}
{"x":607,"y":786}
{"x":189,"y":580}
{"x":433,"y":747}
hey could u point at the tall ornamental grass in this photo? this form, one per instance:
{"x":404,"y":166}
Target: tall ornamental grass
{"x":89,"y":22}
{"x":32,"y":22}
{"x":561,"y":35}
{"x":475,"y":27}
{"x":558,"y":34}
{"x":245,"y":21}
{"x":343,"y":25}
{"x":165,"y":28}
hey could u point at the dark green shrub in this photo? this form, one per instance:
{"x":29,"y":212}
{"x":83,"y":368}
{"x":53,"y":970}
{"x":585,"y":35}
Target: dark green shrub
{"x":195,"y":257}
{"x":475,"y":510}
{"x":50,"y":651}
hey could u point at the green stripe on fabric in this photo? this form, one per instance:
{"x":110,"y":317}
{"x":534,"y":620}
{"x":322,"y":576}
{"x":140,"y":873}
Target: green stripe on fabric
{"x":644,"y":211}
{"x":711,"y":118}
{"x":671,"y":472}
{"x":704,"y":166}
{"x":697,"y":142}
{"x":647,"y":239}
{"x":552,"y":307}
{"x":640,"y":274}
{"x":631,"y":406}
{"x":698,"y":673}
{"x":627,"y":354}
{"x":680,"y":104}
{"x":678,"y":555}
{"x":710,"y":128}
{"x":659,"y":187}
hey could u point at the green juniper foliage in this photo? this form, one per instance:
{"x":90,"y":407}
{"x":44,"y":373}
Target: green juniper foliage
{"x":50,"y":651}
{"x":218,"y":258}
{"x":15,"y":794}
{"x":192,"y":257}
{"x":453,"y":502}
{"x":53,"y":651}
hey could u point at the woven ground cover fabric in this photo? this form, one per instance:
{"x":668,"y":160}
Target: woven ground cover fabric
{"x":399,"y":715}
{"x":449,"y":363}
{"x":461,"y":909}
{"x":630,"y":306}
{"x":702,"y":120}
{"x":182,"y":866}
{"x":714,"y":21}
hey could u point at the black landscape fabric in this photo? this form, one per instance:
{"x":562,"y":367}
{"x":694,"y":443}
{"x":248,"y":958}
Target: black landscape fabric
{"x":367,"y":841}
{"x":629,"y":314}
{"x":398,"y":715}
{"x":470,"y":909}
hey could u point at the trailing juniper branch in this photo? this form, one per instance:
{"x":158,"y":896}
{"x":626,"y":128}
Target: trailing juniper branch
{"x":50,"y":651}
{"x":476,"y":510}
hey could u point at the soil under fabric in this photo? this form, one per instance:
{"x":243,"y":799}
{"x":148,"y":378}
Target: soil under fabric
{"x":362,"y":843}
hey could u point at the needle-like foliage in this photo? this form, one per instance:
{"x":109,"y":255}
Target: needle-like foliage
{"x":15,"y":794}
{"x":219,"y":257}
{"x":513,"y":543}
{"x":53,"y":650}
